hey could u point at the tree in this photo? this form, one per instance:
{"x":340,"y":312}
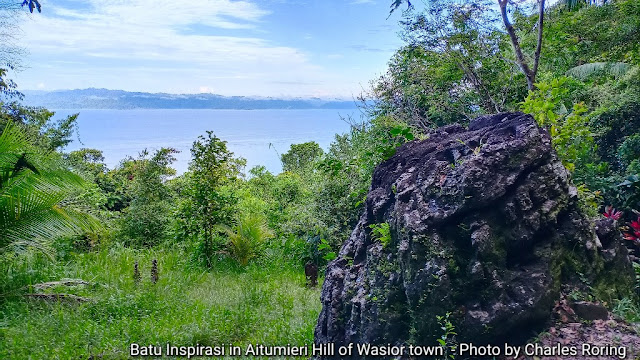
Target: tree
{"x":7,"y":86}
{"x":530,"y":71}
{"x":48,"y":133}
{"x":89,"y":161}
{"x":452,"y":68}
{"x":212,"y":162}
{"x":11,"y":51}
{"x":300,"y":156}
{"x":11,"y":48}
{"x":146,"y":221}
{"x":209,"y":201}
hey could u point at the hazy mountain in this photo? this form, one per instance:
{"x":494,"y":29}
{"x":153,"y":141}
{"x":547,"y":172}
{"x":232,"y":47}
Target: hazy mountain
{"x":119,"y":99}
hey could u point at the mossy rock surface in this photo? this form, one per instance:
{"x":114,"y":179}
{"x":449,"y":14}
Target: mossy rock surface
{"x":474,"y":233}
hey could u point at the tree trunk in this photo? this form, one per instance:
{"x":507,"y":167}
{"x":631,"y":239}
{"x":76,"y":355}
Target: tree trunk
{"x":528,"y":72}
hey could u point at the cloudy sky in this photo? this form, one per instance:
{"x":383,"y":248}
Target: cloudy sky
{"x":280,"y":48}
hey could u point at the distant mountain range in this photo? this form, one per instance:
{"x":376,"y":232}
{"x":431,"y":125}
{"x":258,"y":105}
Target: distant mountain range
{"x":119,"y":99}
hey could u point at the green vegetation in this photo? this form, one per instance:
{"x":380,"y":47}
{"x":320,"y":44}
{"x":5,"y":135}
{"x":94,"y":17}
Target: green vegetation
{"x":246,"y":238}
{"x":382,"y":233}
{"x":226,"y":305}
{"x":586,"y":81}
{"x":447,"y":339}
{"x":231,"y":247}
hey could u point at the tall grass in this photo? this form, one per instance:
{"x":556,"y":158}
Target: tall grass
{"x":188,"y":306}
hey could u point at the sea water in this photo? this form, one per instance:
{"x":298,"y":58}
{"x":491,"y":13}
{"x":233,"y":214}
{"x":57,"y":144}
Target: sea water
{"x":259,"y":136}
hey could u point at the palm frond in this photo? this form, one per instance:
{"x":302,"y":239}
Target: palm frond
{"x":13,"y":143}
{"x":33,"y":189}
{"x":616,"y":69}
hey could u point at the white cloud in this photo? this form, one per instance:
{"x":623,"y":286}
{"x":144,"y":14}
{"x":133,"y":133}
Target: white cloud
{"x":150,"y":34}
{"x":155,"y":13}
{"x":205,"y":89}
{"x":147,"y":29}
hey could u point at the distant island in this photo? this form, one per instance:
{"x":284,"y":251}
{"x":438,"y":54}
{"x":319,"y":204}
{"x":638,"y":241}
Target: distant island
{"x":120,"y":99}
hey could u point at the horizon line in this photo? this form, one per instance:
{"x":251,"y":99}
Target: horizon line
{"x":274,"y":97}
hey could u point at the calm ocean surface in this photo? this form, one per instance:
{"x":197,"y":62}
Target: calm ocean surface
{"x":119,"y":133}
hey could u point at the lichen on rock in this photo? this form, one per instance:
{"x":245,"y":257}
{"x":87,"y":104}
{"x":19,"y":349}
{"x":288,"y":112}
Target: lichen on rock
{"x":484,"y":224}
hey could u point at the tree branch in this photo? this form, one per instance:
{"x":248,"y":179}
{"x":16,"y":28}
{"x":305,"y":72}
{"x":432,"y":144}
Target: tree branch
{"x":530,"y":75}
{"x":536,"y":60}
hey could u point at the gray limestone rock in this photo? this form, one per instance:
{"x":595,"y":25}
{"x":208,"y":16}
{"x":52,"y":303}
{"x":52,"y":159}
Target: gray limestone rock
{"x":484,"y":225}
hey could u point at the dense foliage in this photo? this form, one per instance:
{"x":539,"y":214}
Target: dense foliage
{"x":458,"y":62}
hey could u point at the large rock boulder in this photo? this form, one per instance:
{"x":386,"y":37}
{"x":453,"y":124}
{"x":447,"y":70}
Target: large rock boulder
{"x":481,"y":223}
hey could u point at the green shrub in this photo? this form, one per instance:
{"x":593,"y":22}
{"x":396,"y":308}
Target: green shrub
{"x":570,"y":133}
{"x":629,"y":150}
{"x":246,"y":238}
{"x":145,"y":224}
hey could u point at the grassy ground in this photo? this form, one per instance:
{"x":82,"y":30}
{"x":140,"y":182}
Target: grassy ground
{"x":187,"y":306}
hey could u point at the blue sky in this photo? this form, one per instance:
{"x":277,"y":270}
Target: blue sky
{"x":279,"y":48}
